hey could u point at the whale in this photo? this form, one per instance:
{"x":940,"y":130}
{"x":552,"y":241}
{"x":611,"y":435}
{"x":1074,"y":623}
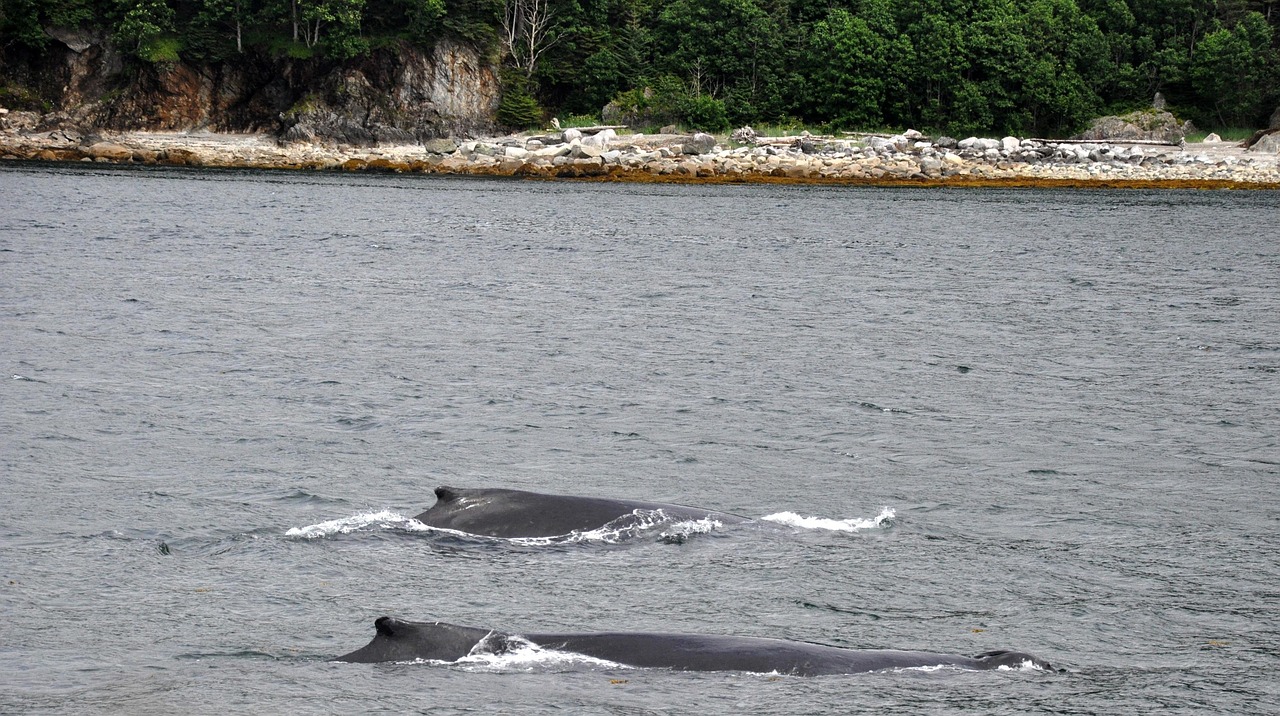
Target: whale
{"x":497,"y":512}
{"x":399,"y":640}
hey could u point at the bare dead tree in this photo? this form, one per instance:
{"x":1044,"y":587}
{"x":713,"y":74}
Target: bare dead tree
{"x":526,"y":32}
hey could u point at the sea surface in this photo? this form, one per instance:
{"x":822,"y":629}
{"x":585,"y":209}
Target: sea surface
{"x":959,"y":420}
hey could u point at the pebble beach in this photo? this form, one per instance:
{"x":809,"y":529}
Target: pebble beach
{"x":907,"y":158}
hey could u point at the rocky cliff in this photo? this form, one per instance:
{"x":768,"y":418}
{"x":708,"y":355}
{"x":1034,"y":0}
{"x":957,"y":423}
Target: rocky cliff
{"x":394,"y":95}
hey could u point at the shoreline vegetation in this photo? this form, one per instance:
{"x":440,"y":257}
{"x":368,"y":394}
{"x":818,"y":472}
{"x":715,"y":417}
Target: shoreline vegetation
{"x":906,"y":159}
{"x":1002,"y":67}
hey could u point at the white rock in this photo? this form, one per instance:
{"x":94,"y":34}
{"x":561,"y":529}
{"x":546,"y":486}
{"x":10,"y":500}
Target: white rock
{"x":600,"y":139}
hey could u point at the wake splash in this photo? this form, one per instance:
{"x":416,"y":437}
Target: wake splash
{"x":620,"y":530}
{"x":1026,"y":665}
{"x":631,"y":526}
{"x":502,"y":653}
{"x":385,"y":520}
{"x":884,"y":519}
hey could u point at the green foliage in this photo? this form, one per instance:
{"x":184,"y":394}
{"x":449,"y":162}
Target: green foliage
{"x":580,"y":120}
{"x":669,"y":100}
{"x":475,"y":21}
{"x":1041,"y":67}
{"x":143,"y":24}
{"x":20,"y":24}
{"x":851,"y":70}
{"x":160,"y":49}
{"x":1234,"y":72}
{"x":702,"y":112}
{"x":517,"y":108}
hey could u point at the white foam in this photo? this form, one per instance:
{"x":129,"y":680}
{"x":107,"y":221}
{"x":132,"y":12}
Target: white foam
{"x":383,"y":520}
{"x":621,"y":529}
{"x":520,"y":654}
{"x":1026,"y":665}
{"x":852,"y":524}
{"x":688,"y":528}
{"x":626,"y":527}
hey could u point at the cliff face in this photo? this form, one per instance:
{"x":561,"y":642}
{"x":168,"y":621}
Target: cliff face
{"x":395,"y":95}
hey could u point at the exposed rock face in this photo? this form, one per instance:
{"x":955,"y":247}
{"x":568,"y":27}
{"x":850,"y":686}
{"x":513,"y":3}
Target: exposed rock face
{"x":393,"y":98}
{"x":222,"y":97}
{"x":396,"y":95}
{"x":1143,"y":125}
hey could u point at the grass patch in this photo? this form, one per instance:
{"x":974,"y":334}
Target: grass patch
{"x":1228,"y":134}
{"x":580,"y":120}
{"x":161,"y":49}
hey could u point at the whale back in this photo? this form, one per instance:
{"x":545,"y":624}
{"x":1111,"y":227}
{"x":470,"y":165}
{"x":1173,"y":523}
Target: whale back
{"x":695,"y":652}
{"x":1010,"y":660}
{"x":507,"y":513}
{"x":400,"y":640}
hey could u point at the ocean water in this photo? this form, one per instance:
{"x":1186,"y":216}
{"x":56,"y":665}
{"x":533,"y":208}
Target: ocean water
{"x":960,"y":420}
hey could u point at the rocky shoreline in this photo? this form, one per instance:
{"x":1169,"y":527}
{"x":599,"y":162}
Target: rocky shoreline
{"x":907,"y":158}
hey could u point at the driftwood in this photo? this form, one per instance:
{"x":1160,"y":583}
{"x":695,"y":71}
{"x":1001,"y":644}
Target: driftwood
{"x":883,"y":135}
{"x":1151,"y":142}
{"x":599,"y":128}
{"x":793,"y":140}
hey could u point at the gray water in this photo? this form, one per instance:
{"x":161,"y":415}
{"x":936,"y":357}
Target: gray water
{"x":1067,"y":401}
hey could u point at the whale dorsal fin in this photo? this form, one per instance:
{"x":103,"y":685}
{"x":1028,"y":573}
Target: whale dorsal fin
{"x":447,"y":494}
{"x":386,"y":626}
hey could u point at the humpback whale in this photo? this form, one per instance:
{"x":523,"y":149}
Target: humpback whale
{"x":516,"y":513}
{"x":400,"y":640}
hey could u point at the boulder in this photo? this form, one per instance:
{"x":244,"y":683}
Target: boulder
{"x":700,"y":143}
{"x":559,"y":150}
{"x":1275,"y":120}
{"x":585,"y":151}
{"x":1267,"y":144}
{"x":1143,"y":125}
{"x":600,"y":139}
{"x":744,"y":135}
{"x":110,"y":151}
{"x":1213,"y":137}
{"x":440,"y":146}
